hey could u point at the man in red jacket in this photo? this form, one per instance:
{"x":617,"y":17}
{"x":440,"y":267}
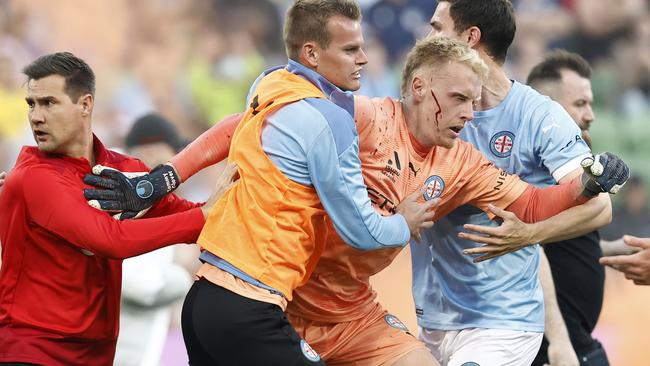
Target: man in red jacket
{"x":61,"y":259}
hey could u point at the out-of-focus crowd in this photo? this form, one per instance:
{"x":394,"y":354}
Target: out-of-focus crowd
{"x":193,"y":60}
{"x":190,"y":61}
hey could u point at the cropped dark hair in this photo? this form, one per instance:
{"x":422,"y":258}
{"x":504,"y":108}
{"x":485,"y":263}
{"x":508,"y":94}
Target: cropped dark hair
{"x":307,"y":21}
{"x":549,"y":69}
{"x":495,"y":19}
{"x":79,"y":77}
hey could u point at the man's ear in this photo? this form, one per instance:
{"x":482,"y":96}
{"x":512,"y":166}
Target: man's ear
{"x":417,"y":88}
{"x":86,"y":102}
{"x":309,"y":55}
{"x":473,"y":35}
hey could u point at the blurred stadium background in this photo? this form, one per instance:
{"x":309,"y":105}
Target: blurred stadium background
{"x":193,"y":61}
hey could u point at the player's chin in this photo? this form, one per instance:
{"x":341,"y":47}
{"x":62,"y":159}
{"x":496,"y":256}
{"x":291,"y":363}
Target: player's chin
{"x":46,"y":146}
{"x":353,"y":84}
{"x":449,"y":142}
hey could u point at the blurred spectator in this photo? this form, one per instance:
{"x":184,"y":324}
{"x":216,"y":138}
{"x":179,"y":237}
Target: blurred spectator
{"x":633,"y":216}
{"x":13,"y":51}
{"x":600,"y":23}
{"x":378,"y":78}
{"x":538,"y":24}
{"x":15,"y":40}
{"x":398,"y":23}
{"x":153,"y":66}
{"x":632,"y":64}
{"x":12,"y":98}
{"x":260,"y":19}
{"x":227,"y":58}
{"x":152,"y":281}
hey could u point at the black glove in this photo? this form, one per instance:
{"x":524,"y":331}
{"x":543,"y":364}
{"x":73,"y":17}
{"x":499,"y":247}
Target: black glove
{"x":604,"y":173}
{"x":129,"y":193}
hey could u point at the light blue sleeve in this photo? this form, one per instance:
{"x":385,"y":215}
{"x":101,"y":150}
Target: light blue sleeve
{"x":559,"y":140}
{"x":314,"y":142}
{"x":339,"y":183}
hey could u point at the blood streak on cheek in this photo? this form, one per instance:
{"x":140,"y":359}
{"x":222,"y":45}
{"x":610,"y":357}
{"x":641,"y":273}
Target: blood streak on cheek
{"x":439,"y":112}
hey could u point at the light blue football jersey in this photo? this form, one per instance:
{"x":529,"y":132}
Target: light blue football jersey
{"x":532,"y":136}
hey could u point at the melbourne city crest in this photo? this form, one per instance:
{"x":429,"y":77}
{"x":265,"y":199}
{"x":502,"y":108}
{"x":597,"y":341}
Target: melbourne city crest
{"x":501,"y":143}
{"x":434,"y":186}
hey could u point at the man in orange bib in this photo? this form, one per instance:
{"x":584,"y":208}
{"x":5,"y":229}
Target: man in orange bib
{"x":404,"y":146}
{"x":297,"y":153}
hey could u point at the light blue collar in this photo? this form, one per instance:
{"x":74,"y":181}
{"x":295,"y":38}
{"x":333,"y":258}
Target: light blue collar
{"x":337,"y":96}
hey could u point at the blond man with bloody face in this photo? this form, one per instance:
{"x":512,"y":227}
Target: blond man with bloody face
{"x":498,"y":318}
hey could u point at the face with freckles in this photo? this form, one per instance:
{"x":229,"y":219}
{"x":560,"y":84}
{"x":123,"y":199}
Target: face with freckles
{"x":442,"y":97}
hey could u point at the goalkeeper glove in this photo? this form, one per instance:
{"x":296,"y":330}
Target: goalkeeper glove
{"x":132,"y":194}
{"x":603,"y":173}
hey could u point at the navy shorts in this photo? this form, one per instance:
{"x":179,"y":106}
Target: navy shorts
{"x":223,"y":328}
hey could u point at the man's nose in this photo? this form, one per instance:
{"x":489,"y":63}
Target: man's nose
{"x":588,"y":117}
{"x":468,"y":112}
{"x":362,"y":59}
{"x":36,"y":115}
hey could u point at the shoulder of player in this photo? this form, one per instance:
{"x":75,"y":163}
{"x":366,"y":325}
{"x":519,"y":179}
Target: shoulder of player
{"x":320,"y":115}
{"x":40,"y":170}
{"x":332,"y":114}
{"x":123,"y":162}
{"x":461,"y":153}
{"x":38,"y":176}
{"x":314,"y":112}
{"x":539,"y":107}
{"x":462,"y":146}
{"x":371,"y":110}
{"x":532,"y":102}
{"x":31,"y":162}
{"x":364,"y":102}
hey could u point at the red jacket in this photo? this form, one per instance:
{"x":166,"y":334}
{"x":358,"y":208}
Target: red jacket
{"x":59,"y":303}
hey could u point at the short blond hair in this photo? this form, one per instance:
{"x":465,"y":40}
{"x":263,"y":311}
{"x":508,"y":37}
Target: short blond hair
{"x":438,"y":51}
